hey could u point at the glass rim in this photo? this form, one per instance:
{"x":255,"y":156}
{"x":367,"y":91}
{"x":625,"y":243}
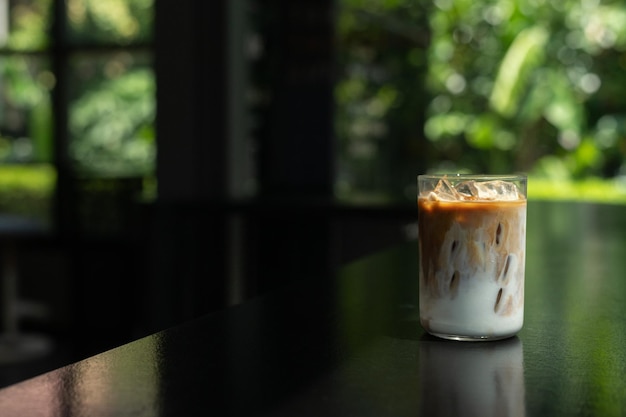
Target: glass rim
{"x":457,"y":176}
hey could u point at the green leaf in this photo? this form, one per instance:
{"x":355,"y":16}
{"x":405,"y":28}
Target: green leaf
{"x":524,"y":54}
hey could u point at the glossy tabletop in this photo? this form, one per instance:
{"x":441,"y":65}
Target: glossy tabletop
{"x":351,"y":345}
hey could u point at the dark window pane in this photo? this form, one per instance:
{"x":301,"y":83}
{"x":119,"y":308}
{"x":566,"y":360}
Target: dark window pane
{"x":111,"y":114}
{"x":27,"y":178}
{"x":109,"y":22}
{"x":27,"y":190}
{"x":24,"y":24}
{"x":25,"y":109}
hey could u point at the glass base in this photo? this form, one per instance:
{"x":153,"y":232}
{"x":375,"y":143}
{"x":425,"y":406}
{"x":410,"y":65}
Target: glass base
{"x":460,"y":338}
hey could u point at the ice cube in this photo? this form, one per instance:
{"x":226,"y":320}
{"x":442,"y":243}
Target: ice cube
{"x":446,"y":191}
{"x":467,"y":190}
{"x":497,"y":190}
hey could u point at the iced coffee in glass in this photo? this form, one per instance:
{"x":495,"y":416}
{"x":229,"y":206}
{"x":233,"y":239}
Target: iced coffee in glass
{"x":472,"y":246}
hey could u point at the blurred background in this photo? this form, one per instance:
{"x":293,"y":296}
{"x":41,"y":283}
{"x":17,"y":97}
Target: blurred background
{"x":161,"y":160}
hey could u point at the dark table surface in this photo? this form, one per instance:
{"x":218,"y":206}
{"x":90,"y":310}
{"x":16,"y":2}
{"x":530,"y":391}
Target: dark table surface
{"x":351,"y":345}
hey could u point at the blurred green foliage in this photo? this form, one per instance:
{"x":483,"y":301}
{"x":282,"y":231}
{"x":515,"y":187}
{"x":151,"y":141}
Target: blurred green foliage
{"x":446,"y":85}
{"x":110,"y":22}
{"x":111,"y":126}
{"x":500,"y":86}
{"x":111,"y":115}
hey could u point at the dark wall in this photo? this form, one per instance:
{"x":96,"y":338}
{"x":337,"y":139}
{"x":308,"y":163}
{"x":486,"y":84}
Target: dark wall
{"x":204,"y":232}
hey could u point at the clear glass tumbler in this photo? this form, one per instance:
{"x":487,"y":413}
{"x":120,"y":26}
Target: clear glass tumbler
{"x":472,"y":248}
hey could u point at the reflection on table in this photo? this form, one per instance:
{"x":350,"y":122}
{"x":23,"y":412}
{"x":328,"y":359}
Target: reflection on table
{"x":476,"y":379}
